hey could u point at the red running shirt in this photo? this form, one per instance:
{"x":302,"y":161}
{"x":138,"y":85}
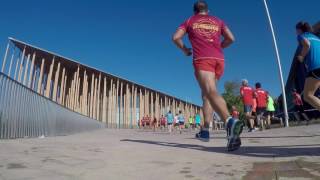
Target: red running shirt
{"x":247,"y":95}
{"x":204,"y":33}
{"x":262,"y":98}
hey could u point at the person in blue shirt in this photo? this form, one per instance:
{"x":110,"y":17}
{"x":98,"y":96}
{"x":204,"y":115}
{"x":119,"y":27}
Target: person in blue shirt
{"x":309,"y":48}
{"x":181,"y":121}
{"x":198,"y":120}
{"x":170,"y":118}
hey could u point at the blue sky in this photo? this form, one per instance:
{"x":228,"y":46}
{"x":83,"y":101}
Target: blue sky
{"x":132,"y":39}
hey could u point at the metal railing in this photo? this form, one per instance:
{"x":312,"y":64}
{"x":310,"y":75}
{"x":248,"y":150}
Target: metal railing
{"x":25,"y":113}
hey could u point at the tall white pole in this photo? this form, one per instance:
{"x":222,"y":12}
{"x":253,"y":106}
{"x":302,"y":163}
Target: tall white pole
{"x":279,"y":65}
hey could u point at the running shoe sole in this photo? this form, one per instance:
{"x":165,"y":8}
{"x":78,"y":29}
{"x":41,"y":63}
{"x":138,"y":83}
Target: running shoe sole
{"x":234,"y":141}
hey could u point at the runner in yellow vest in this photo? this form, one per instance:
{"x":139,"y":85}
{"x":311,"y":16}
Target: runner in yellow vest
{"x":270,"y":111}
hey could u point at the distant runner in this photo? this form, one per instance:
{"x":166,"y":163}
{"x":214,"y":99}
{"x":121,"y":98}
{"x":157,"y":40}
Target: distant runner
{"x":205,"y":32}
{"x":191,"y":122}
{"x":170,"y":119}
{"x":247,"y":93}
{"x":270,"y":111}
{"x":262,"y":99}
{"x":181,"y":121}
{"x":197,"y":120}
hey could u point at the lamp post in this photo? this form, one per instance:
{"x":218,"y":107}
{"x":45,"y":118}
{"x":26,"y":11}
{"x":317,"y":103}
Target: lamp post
{"x":279,"y":65}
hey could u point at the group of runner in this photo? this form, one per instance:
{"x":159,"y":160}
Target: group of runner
{"x":208,"y":36}
{"x":170,"y":121}
{"x":258,"y":106}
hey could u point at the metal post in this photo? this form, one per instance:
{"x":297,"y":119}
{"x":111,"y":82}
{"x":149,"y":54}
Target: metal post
{"x":279,"y":65}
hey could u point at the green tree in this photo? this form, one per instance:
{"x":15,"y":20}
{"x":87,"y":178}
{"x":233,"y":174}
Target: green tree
{"x":232,"y":96}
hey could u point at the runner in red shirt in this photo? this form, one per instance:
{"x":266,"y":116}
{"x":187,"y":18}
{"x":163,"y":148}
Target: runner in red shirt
{"x":205,"y":32}
{"x":262,"y":99}
{"x":247,"y":93}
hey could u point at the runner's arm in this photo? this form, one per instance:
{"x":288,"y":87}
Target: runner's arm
{"x":305,"y":49}
{"x":177,"y":39}
{"x":228,"y":38}
{"x":241,"y":92}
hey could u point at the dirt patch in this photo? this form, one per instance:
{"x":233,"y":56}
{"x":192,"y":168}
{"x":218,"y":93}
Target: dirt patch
{"x":184,"y":172}
{"x":16,"y":166}
{"x":287,"y":169}
{"x":189,"y":176}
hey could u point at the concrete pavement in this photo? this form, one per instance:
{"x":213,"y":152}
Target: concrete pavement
{"x":286,"y":153}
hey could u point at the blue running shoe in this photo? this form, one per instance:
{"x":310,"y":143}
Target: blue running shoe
{"x":234,"y":129}
{"x":203,"y":136}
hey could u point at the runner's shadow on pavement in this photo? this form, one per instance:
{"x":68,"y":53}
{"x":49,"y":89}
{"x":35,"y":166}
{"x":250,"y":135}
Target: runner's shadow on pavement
{"x":251,"y":151}
{"x":264,"y":137}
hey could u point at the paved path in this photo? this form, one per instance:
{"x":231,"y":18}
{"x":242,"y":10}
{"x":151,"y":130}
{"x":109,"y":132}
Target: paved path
{"x":290,"y":153}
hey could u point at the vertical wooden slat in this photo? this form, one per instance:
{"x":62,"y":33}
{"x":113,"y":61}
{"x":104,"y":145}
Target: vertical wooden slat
{"x":33,"y":83}
{"x":40,"y":77}
{"x":31,"y":69}
{"x":127,"y":105}
{"x":110,"y":102}
{"x":67,"y":101}
{"x":157,"y":108}
{"x":48,"y":86}
{"x":135,"y":106}
{"x":91,"y":95}
{"x":131,"y":105}
{"x":141,"y":104}
{"x":84,"y":94}
{"x":104,"y":101}
{"x":145,"y":97}
{"x":71,"y":94}
{"x":161,"y":107}
{"x":99,"y":99}
{"x":152,"y":107}
{"x":95,"y":99}
{"x":125,"y":108}
{"x":76,"y":90}
{"x":24,"y":82}
{"x":16,"y":69}
{"x":147,"y":110}
{"x":62,"y":85}
{"x":124,"y":122}
{"x":165,"y":104}
{"x":117,"y":104}
{"x":64,"y":90}
{"x":11,"y":63}
{"x":20,"y":70}
{"x":114,"y":105}
{"x":55,"y":86}
{"x":5,"y":58}
{"x":121,"y":105}
{"x":87,"y":98}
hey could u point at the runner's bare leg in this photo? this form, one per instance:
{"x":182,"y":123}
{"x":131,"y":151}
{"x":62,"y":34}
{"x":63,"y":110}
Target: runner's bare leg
{"x":207,"y":83}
